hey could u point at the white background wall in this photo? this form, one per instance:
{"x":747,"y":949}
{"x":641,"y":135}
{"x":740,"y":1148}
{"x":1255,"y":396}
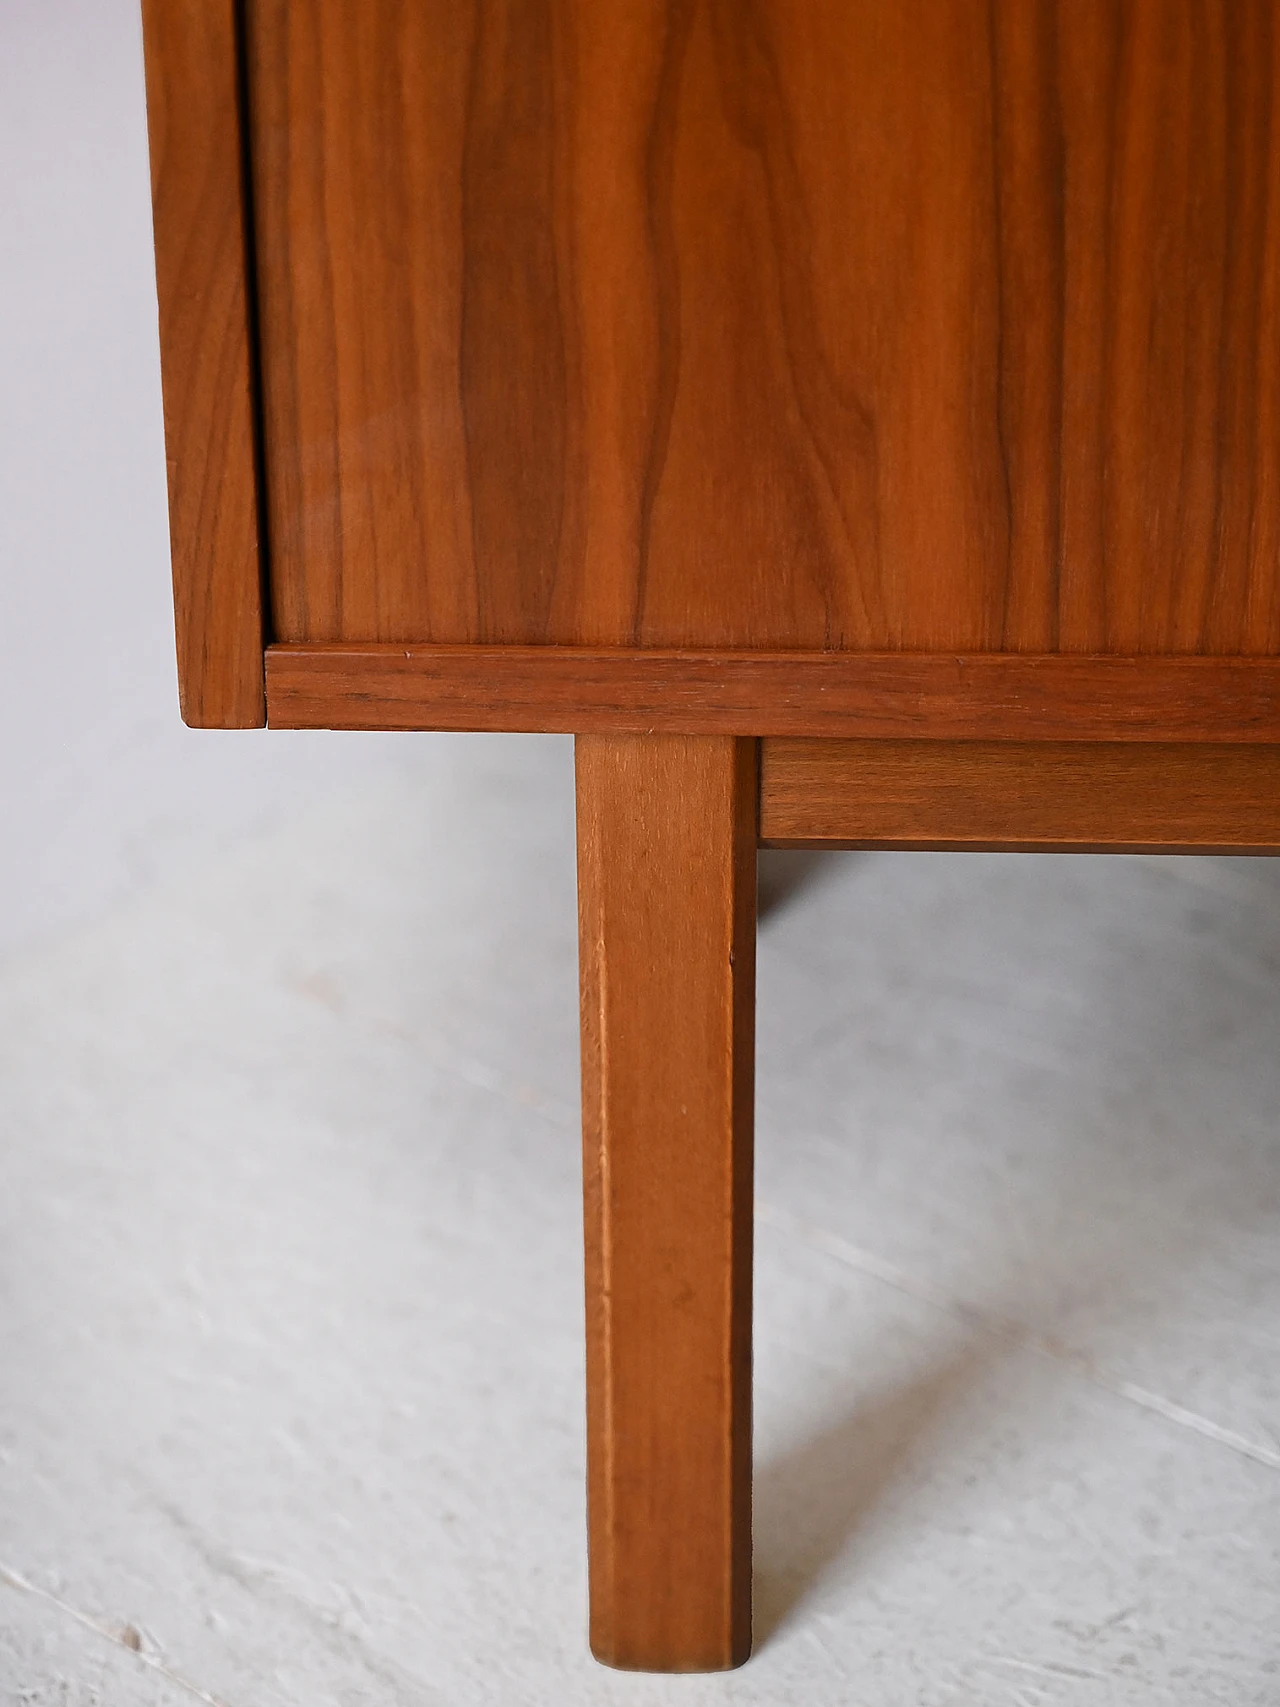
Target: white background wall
{"x":102,"y":790}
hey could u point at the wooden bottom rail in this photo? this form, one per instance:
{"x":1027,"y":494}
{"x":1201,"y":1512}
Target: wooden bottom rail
{"x":666,"y":873}
{"x":889,"y":696}
{"x":1086,"y":797}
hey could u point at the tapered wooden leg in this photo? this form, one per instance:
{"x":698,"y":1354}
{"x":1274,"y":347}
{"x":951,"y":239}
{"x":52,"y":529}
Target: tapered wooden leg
{"x":666,"y":884}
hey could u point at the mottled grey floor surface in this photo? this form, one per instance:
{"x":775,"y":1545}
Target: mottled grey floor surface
{"x":290,"y":1312}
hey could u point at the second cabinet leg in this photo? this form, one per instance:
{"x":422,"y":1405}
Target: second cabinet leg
{"x":666,"y":881}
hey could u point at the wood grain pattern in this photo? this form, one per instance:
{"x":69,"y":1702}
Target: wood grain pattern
{"x":896,"y":696}
{"x":666,"y":884}
{"x":201,"y":240}
{"x":1042,"y":797}
{"x":700,"y":323}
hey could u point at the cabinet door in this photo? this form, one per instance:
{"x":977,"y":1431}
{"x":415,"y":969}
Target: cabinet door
{"x":850,"y":324}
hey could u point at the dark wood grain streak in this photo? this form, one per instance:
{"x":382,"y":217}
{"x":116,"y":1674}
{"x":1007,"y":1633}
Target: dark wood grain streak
{"x":893,"y":696}
{"x":777,"y":326}
{"x":202,"y":284}
{"x":1009,"y":796}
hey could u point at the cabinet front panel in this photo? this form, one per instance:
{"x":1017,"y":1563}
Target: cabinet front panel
{"x":848,"y":324}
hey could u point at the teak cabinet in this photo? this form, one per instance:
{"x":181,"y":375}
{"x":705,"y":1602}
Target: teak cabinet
{"x":857,"y":421}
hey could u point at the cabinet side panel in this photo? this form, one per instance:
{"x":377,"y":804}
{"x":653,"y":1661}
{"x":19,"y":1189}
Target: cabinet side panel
{"x":202,"y":246}
{"x":774,"y":326}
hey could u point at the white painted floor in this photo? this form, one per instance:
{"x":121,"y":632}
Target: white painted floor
{"x":290,"y":1314}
